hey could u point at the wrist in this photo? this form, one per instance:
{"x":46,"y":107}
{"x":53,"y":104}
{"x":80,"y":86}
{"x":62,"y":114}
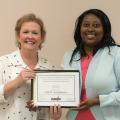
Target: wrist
{"x":20,"y":81}
{"x":97,"y":102}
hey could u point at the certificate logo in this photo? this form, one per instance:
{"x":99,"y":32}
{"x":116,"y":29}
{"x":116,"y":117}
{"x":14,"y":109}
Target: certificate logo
{"x":56,"y":98}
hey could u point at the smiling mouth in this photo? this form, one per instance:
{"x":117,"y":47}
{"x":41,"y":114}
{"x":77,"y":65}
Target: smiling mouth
{"x":29,"y":42}
{"x":90,"y":36}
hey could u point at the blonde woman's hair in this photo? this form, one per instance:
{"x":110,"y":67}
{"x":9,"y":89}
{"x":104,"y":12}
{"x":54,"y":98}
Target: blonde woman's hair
{"x":29,"y":18}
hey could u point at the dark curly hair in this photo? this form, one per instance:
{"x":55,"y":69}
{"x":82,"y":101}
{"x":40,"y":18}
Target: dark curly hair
{"x":107,"y":39}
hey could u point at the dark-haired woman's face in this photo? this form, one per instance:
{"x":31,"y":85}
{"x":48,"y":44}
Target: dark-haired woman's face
{"x":91,"y":30}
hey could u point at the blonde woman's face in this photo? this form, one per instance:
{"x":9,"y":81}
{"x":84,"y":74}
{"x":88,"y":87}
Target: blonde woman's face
{"x":30,"y":36}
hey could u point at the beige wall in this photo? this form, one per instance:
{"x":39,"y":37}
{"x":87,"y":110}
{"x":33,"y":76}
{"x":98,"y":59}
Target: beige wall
{"x":59,"y":17}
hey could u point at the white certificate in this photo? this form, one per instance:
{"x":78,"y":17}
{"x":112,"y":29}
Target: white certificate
{"x":56,"y":87}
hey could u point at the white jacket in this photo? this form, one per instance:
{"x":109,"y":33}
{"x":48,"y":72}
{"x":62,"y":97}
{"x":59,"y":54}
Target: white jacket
{"x":102,"y":79}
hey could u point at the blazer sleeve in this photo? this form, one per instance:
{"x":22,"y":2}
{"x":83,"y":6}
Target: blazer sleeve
{"x":113,"y":99}
{"x":65,"y":63}
{"x":62,"y":65}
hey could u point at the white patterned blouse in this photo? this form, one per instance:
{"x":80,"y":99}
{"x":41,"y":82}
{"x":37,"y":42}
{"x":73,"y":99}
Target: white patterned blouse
{"x":14,"y":108}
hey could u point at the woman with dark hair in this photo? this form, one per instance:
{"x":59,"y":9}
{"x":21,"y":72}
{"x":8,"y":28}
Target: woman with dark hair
{"x":97,"y":57}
